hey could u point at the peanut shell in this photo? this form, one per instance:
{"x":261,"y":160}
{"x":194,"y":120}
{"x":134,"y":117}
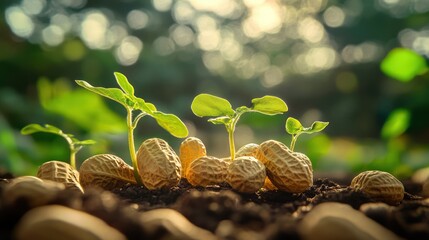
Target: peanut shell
{"x":288,"y":171}
{"x":60,"y":172}
{"x":106,"y":171}
{"x":379,"y":185}
{"x":207,"y":170}
{"x":250,"y":149}
{"x":190,"y":149}
{"x":159,"y":165}
{"x":246,"y":174}
{"x":59,"y":222}
{"x":33,"y":190}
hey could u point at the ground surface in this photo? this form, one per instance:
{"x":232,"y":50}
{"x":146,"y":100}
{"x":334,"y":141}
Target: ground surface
{"x":228,"y":214}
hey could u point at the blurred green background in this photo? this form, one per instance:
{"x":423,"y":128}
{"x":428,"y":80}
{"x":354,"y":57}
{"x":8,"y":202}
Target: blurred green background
{"x":361,"y":65}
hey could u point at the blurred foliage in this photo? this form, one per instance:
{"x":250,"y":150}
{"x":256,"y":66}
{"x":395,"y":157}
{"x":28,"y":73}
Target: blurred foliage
{"x":329,"y":60}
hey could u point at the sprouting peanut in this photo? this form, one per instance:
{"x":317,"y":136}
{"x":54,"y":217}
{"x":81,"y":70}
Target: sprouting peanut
{"x":288,"y":171}
{"x":106,"y":171}
{"x":190,"y":149}
{"x":207,"y":170}
{"x":60,"y":172}
{"x":246,"y":174}
{"x":379,"y":185}
{"x":158,"y":164}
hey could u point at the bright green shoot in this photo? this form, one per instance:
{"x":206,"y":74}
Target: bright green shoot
{"x":125,"y":96}
{"x":206,"y":105}
{"x":294,"y":127}
{"x":74,"y":144}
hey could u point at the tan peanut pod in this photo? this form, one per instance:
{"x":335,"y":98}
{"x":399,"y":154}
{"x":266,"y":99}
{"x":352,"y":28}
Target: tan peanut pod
{"x":288,"y":171}
{"x":379,"y":185}
{"x":159,"y":165}
{"x":190,"y":149}
{"x":207,"y":170}
{"x":246,"y":174}
{"x":33,"y":190}
{"x":60,"y":172}
{"x":250,"y":149}
{"x":174,"y":225}
{"x":59,"y":222}
{"x":106,"y":171}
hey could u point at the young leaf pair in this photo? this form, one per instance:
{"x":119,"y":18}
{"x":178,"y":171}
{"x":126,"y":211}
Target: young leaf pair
{"x":74,"y":144}
{"x":294,"y":127}
{"x":206,"y":105}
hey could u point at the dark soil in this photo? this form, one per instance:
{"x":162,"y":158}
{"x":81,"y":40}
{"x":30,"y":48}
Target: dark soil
{"x":228,"y":214}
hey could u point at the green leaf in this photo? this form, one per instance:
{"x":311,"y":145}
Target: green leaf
{"x":113,"y":93}
{"x":403,"y":64}
{"x":34,"y":128}
{"x":269,"y":105}
{"x":396,"y":124}
{"x":293,"y":126}
{"x":124,"y":83}
{"x":317,"y":126}
{"x":220,"y":120}
{"x":206,"y":105}
{"x":145,"y":106}
{"x":171,"y":123}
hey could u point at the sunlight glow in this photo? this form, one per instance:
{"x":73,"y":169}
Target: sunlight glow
{"x":311,"y":30}
{"x":53,"y":35}
{"x":137,"y":19}
{"x":164,"y":46}
{"x":182,"y":35}
{"x":129,"y":50}
{"x":19,"y":22}
{"x":162,"y":5}
{"x":94,"y":29}
{"x":33,"y":7}
{"x":334,"y":16}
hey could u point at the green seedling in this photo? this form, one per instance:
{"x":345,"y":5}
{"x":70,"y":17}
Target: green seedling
{"x":206,"y":105}
{"x":294,"y":127}
{"x":125,"y":96}
{"x":74,"y":144}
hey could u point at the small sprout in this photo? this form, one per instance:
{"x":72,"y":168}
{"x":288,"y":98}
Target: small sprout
{"x":74,"y":144}
{"x":125,"y":96}
{"x":206,"y":105}
{"x":294,"y":127}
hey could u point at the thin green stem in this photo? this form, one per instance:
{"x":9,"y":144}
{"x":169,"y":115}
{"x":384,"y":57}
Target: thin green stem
{"x":231,"y":143}
{"x":131,"y":145}
{"x":72,"y":150}
{"x":293,"y":141}
{"x":73,"y":158}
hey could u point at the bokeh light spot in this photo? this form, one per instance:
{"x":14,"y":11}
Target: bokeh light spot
{"x":129,"y":50}
{"x":137,"y":19}
{"x":53,"y":35}
{"x":19,"y":22}
{"x":334,"y":16}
